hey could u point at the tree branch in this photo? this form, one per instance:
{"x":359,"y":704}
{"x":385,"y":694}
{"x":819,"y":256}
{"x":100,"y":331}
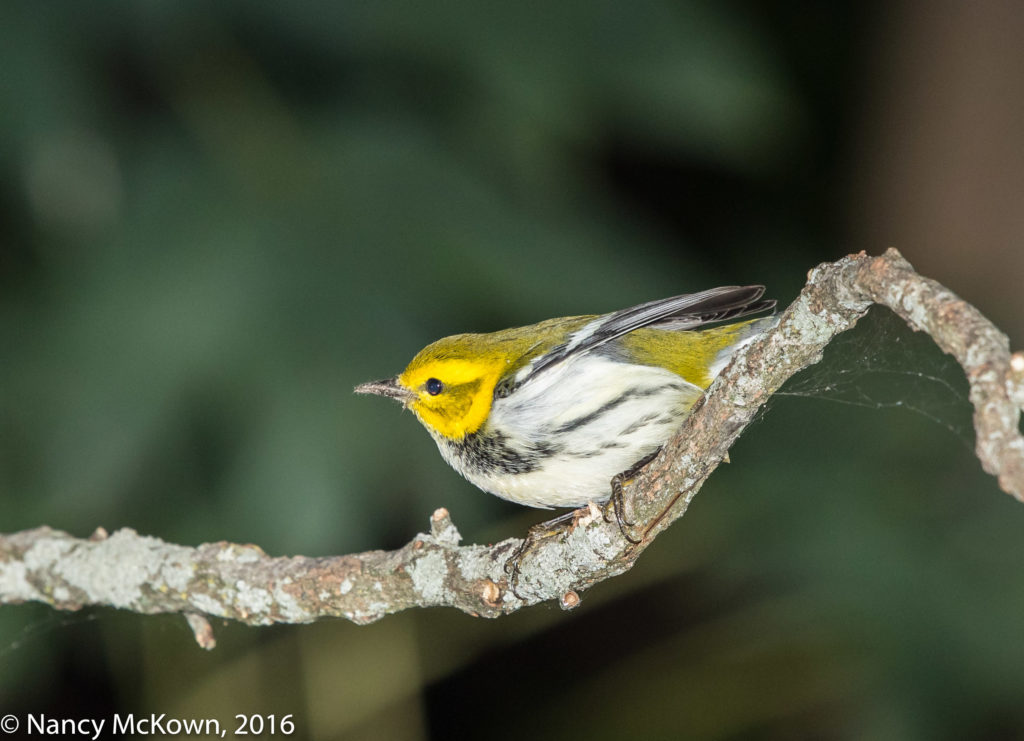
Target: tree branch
{"x":240,"y":582}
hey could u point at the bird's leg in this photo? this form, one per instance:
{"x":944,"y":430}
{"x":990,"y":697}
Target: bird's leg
{"x":618,"y":504}
{"x":539,"y":532}
{"x":563,"y":523}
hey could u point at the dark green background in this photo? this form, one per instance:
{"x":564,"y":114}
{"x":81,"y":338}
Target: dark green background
{"x":216,"y":219}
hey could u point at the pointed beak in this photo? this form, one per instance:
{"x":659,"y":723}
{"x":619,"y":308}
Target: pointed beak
{"x":388,"y":387}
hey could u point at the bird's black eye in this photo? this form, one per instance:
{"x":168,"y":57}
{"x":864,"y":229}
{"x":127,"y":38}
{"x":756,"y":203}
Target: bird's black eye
{"x":434,"y":387}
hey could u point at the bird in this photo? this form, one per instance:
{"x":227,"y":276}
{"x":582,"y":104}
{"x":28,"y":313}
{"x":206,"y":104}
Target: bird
{"x":551,"y":415}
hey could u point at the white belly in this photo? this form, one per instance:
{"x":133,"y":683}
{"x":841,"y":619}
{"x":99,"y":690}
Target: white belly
{"x":576,"y":427}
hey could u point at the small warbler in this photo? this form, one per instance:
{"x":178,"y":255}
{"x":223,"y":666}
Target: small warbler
{"x":548,"y":415}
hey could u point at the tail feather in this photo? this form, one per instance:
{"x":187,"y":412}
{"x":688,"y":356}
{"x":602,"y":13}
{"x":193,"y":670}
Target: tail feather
{"x":699,"y":320}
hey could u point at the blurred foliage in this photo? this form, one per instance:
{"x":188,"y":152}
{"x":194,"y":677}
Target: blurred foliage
{"x":216,"y":220}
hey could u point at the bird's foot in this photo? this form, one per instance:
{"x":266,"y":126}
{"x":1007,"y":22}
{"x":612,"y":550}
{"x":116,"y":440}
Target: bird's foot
{"x":616,"y":506}
{"x":558,"y":526}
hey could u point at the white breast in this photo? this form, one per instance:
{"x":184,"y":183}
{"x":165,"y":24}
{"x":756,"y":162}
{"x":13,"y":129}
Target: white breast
{"x":585,"y":421}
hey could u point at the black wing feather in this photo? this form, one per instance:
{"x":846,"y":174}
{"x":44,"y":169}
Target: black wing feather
{"x":687,"y":311}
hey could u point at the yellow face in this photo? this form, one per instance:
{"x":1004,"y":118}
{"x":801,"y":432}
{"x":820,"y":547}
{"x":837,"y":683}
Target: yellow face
{"x":452,"y":395}
{"x":449,"y":385}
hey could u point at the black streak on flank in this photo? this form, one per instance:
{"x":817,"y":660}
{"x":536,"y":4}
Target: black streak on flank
{"x":586,"y":419}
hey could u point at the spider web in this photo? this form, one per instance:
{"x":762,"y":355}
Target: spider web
{"x":883,"y":364}
{"x":38,"y":628}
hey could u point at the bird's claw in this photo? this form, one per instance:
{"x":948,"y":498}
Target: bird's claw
{"x":617,"y":502}
{"x":534,"y":536}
